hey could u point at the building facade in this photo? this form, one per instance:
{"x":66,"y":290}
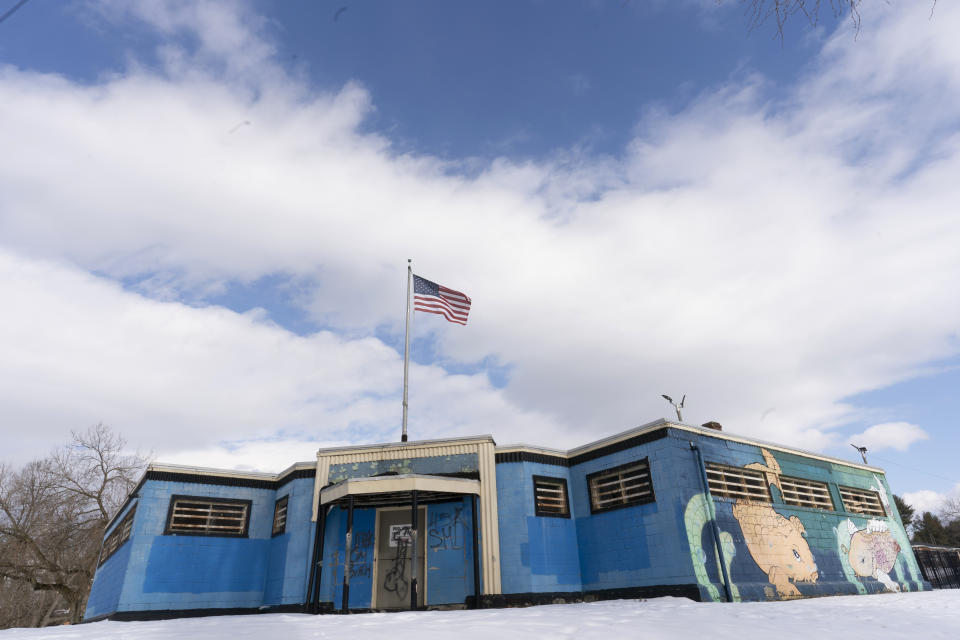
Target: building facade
{"x":663,"y":509}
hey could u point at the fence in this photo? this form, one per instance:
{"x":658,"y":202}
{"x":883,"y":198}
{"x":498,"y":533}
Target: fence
{"x":940,"y":565}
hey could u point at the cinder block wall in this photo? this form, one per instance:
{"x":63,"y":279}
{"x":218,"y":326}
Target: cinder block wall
{"x":449,"y":549}
{"x":538,"y":554}
{"x":642,"y":545}
{"x":174,"y":572}
{"x":110,"y":576}
{"x":289,"y":552}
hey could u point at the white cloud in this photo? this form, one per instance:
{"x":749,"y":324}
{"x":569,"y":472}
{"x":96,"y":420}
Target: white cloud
{"x":889,"y":435}
{"x":752,"y":255}
{"x":200,"y":384}
{"x":267,"y":454}
{"x":924,"y":500}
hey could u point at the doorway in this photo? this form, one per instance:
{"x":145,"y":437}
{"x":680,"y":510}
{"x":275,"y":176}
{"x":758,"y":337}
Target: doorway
{"x":392,"y":574}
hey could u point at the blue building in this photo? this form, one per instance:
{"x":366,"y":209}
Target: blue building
{"x":663,"y":509}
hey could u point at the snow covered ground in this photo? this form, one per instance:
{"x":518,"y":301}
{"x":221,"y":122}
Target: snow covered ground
{"x":931,"y":615}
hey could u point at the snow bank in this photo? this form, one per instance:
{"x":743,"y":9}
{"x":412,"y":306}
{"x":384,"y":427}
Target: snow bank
{"x":930,"y":616}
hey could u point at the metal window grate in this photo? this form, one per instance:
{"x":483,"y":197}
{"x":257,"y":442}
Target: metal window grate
{"x":862,"y":501}
{"x":620,"y":487}
{"x":209,"y":517}
{"x":119,"y":535}
{"x":737,"y":483}
{"x":280,"y":516}
{"x":806,"y":493}
{"x":550,"y":497}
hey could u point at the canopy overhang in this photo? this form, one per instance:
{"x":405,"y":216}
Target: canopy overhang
{"x":384,"y":490}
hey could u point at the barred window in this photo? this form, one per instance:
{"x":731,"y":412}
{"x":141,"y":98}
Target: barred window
{"x":737,"y":483}
{"x":621,"y":486}
{"x":119,"y":535}
{"x":550,"y":497}
{"x":280,"y":516}
{"x":197,"y":516}
{"x":806,"y":493}
{"x":862,"y":501}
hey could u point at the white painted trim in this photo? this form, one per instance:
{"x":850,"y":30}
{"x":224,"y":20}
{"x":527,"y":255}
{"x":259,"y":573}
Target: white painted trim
{"x":489,"y":519}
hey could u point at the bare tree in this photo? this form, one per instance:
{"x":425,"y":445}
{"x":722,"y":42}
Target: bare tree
{"x":760,"y":12}
{"x":950,"y":509}
{"x":53,"y":514}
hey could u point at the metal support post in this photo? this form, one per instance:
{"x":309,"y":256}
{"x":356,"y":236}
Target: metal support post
{"x":345,"y":605}
{"x":476,"y":552}
{"x":413,"y":551}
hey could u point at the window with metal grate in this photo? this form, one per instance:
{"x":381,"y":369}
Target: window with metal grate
{"x":862,"y":501}
{"x":622,"y":486}
{"x":193,"y":515}
{"x":550,"y":497}
{"x":806,"y":493}
{"x":737,"y":483}
{"x":280,"y":516}
{"x":119,"y":535}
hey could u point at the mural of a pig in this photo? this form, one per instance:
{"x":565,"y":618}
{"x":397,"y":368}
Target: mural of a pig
{"x":777,"y":545}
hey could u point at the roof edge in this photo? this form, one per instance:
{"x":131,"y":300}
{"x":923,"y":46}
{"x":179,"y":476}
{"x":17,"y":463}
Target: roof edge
{"x":409,"y":444}
{"x":663,"y":422}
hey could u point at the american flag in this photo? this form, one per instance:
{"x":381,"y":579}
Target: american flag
{"x":436,"y":298}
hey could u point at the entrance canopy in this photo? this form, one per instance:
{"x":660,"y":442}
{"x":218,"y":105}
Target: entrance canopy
{"x":388,"y":490}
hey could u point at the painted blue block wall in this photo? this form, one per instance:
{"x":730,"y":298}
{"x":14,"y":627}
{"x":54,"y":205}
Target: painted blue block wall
{"x":109,"y":577}
{"x":538,"y":554}
{"x":361,"y":570}
{"x":331,"y":572}
{"x":195,"y":572}
{"x":361,"y":558}
{"x":449,"y":549}
{"x":289,"y":553}
{"x":639,"y":545}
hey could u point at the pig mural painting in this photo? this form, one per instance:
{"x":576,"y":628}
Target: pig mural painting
{"x":873,"y":552}
{"x":776,"y":543}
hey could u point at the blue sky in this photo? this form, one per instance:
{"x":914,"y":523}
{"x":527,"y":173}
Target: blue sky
{"x":207,"y":210}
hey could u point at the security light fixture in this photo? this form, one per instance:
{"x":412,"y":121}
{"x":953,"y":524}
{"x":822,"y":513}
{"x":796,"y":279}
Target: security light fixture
{"x":863,"y":452}
{"x":675,"y":405}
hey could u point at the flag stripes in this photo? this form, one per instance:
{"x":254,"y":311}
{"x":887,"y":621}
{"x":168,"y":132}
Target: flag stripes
{"x":431,"y":297}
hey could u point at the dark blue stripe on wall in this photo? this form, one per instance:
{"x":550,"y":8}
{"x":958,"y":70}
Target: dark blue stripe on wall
{"x":542,"y":458}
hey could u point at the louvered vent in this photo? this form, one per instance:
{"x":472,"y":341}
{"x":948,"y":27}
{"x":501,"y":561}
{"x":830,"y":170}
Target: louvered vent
{"x":862,"y":501}
{"x":621,"y":487}
{"x":550,"y":497}
{"x":209,"y":516}
{"x":806,"y":493}
{"x":737,"y":483}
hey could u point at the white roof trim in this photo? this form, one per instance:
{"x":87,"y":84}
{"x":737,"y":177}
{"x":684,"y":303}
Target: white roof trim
{"x":229,"y":473}
{"x":657,"y":424}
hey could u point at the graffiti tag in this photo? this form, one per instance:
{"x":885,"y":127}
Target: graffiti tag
{"x":395,"y":580}
{"x":446,"y":531}
{"x":360,"y":562}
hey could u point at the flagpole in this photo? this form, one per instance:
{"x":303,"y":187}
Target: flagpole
{"x":406,"y":349}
